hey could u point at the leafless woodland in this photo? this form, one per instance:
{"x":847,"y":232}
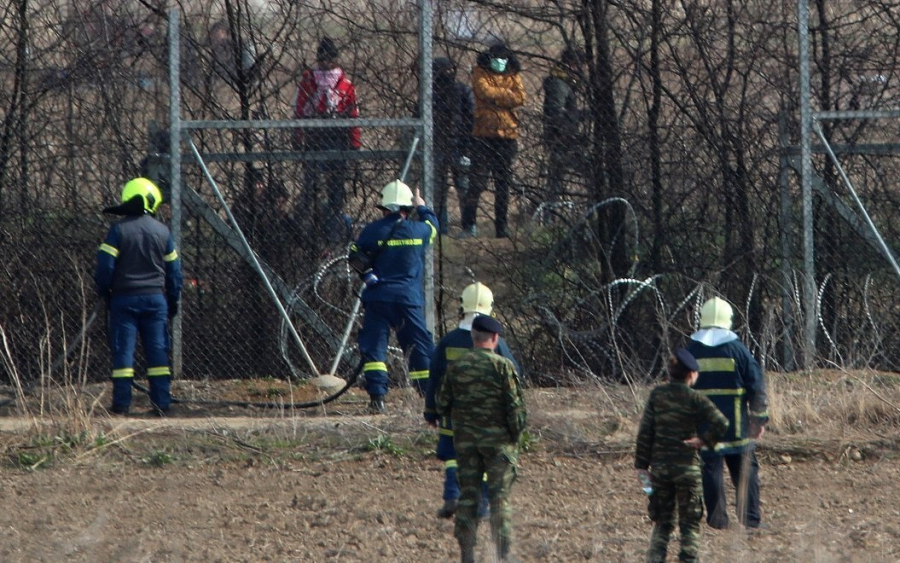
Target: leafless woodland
{"x":684,"y":189}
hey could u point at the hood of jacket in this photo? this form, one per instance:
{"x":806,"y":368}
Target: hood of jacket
{"x":512,"y":67}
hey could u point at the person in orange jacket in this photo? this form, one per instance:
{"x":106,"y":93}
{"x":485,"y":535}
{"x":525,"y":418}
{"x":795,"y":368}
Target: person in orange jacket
{"x":499,"y":91}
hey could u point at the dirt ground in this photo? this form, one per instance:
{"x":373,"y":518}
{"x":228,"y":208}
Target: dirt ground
{"x":338,"y":485}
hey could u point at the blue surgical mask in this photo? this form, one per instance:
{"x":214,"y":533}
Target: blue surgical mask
{"x":499,"y":65}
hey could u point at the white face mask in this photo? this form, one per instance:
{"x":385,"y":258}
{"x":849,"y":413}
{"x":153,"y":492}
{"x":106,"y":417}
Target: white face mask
{"x":499,"y":65}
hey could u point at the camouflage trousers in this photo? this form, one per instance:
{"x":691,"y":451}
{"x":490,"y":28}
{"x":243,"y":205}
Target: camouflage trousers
{"x":675,"y":487}
{"x":474,"y":459}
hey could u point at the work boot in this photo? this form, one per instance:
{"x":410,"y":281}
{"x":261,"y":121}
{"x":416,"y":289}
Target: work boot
{"x":468,"y":232}
{"x":376,"y":405}
{"x":117,"y":410}
{"x":449,"y":508}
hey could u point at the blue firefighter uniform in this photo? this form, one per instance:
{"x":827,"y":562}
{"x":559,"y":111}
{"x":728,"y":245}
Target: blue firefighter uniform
{"x":139,"y":272}
{"x":453,"y":346}
{"x":733,"y":380}
{"x":397,"y":300}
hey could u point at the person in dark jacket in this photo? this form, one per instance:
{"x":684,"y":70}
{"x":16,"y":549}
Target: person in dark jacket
{"x":453,"y":111}
{"x":731,"y":378}
{"x":562,"y":119}
{"x":677,"y":421}
{"x":139,"y":275}
{"x":476,"y":299}
{"x":499,"y":92}
{"x":390,"y":257}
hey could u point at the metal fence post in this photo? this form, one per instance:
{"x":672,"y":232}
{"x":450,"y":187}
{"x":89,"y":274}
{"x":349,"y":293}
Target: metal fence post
{"x":425,"y":93}
{"x":175,"y":164}
{"x":809,"y":277}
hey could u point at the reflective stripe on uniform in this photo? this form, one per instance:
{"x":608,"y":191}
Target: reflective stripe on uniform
{"x":111,"y":250}
{"x":716,"y":364}
{"x":433,"y":232}
{"x":419,"y":374}
{"x":712,"y":392}
{"x":158,"y":371}
{"x":171,"y":257}
{"x":375,"y":366}
{"x":453,"y":354}
{"x":734,"y":444}
{"x":405,"y":242}
{"x":123,"y":372}
{"x":450,"y":464}
{"x":445,"y":431}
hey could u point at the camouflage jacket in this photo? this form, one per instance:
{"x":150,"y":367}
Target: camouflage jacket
{"x":482,"y":395}
{"x":674,"y":412}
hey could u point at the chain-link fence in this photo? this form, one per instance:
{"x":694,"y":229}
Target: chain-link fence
{"x":603,"y":170}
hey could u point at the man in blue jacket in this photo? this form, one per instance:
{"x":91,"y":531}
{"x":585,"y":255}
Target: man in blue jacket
{"x":139,"y":274}
{"x":733,"y":380}
{"x":390,"y":256}
{"x":476,"y":299}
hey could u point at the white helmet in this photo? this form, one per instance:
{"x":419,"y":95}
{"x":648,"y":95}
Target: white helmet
{"x":716,"y":313}
{"x":395,"y":195}
{"x":477,"y":298}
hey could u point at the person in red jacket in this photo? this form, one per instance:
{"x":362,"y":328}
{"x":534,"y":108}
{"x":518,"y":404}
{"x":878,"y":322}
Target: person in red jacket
{"x":325,"y":92}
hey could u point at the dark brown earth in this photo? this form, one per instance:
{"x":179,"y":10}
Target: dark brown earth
{"x":253,"y":485}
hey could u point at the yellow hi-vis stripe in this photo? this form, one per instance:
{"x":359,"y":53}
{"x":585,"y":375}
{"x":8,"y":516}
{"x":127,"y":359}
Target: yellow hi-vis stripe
{"x":716,"y":364}
{"x":123,"y":372}
{"x":158,"y":371}
{"x":450,"y":464}
{"x":433,"y":232}
{"x":453,"y":354}
{"x":445,"y":432}
{"x":375,"y":366}
{"x":712,"y":392}
{"x":738,"y":431}
{"x":171,"y":257}
{"x":112,"y":250}
{"x":419,"y":374}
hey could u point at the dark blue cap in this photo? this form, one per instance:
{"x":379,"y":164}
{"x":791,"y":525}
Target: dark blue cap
{"x":687,"y":359}
{"x":487,"y":323}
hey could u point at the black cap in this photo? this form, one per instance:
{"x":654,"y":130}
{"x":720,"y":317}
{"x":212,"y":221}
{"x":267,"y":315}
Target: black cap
{"x":687,"y":359}
{"x":327,"y":50}
{"x":487,"y":323}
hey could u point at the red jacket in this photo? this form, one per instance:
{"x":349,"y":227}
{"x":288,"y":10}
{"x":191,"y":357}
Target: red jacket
{"x":324,"y":94}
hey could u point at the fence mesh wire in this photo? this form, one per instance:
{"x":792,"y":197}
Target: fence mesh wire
{"x":648,"y":172}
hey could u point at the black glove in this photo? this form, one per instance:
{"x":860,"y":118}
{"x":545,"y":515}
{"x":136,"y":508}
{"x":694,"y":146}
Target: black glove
{"x":173,"y":308}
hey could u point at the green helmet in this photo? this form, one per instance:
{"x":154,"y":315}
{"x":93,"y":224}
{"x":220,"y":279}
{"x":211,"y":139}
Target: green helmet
{"x":147,"y":190}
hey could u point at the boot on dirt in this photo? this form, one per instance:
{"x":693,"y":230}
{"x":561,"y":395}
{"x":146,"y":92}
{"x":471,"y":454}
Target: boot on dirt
{"x":449,"y":509}
{"x":376,"y":405}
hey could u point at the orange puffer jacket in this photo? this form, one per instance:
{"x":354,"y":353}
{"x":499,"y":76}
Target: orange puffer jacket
{"x":496,"y":98}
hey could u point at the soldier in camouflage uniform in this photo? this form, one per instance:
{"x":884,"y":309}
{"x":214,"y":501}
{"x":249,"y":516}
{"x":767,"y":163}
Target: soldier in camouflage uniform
{"x":668,"y":444}
{"x":482,"y":396}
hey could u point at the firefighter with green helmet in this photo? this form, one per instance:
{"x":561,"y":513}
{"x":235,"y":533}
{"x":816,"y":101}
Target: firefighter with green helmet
{"x":476,"y":299}
{"x":139,"y":275}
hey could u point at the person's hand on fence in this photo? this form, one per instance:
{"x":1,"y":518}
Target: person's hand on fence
{"x":417,"y":199}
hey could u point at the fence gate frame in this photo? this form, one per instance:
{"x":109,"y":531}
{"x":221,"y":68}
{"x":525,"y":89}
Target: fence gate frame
{"x":180,"y":128}
{"x":810,"y":123}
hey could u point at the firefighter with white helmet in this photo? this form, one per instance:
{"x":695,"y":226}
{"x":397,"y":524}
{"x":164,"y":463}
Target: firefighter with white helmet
{"x":733,"y":380}
{"x":476,"y":299}
{"x":390,"y":257}
{"x":139,"y":275}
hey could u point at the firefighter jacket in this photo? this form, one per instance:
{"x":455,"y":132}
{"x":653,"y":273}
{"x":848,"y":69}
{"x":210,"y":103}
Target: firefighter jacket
{"x":452,"y":347}
{"x":327,"y":94}
{"x":497,"y":96}
{"x":399,"y":250}
{"x":138,"y":257}
{"x":733,"y":380}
